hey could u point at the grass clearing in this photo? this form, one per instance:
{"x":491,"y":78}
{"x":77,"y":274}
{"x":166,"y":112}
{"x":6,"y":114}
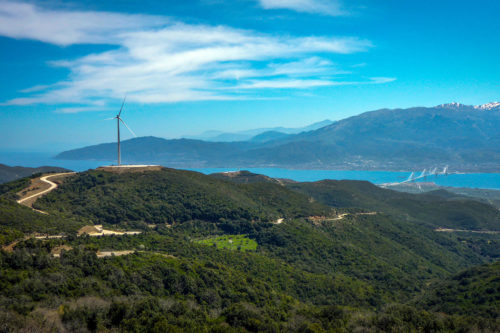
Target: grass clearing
{"x":231,"y":242}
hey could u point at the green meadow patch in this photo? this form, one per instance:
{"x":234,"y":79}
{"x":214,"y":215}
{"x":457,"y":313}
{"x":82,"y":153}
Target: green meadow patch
{"x":231,"y":242}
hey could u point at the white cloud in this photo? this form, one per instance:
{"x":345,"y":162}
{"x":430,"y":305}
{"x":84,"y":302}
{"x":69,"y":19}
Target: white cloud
{"x":62,"y":27}
{"x":171,"y":61}
{"x":285,"y":84}
{"x":78,"y":109}
{"x":310,"y":83}
{"x":325,"y":7}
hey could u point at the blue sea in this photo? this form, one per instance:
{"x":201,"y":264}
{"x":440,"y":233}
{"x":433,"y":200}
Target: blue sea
{"x":471,"y":180}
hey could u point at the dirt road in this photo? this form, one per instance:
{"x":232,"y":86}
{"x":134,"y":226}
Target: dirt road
{"x":29,"y":200}
{"x":113,"y":253}
{"x":98,"y":230}
{"x":318,"y":219}
{"x":492,"y":232}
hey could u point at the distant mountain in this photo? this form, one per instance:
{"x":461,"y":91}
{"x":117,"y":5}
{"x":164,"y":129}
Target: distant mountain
{"x":459,"y":106}
{"x":177,"y":152}
{"x":464,"y":137}
{"x":8,"y":173}
{"x":219,"y":136}
{"x":268,"y":136}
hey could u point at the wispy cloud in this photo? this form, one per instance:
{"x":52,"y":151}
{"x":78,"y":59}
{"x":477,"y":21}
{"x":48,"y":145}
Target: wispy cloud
{"x":285,"y":84}
{"x":379,"y":80}
{"x":304,"y":84}
{"x":78,"y":109}
{"x":324,"y":7}
{"x":63,"y":27}
{"x":158,"y":60}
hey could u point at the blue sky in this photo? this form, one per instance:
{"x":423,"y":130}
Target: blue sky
{"x":196,"y":65}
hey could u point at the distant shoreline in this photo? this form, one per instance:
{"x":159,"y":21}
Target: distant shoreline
{"x":483,"y":180}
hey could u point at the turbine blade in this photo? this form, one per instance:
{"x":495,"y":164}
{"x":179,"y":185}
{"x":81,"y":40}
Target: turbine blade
{"x":128,"y":127}
{"x":123,"y":103}
{"x":110,"y":118}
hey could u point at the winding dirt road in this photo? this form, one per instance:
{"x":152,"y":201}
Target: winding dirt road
{"x":492,"y":232}
{"x":28,"y":201}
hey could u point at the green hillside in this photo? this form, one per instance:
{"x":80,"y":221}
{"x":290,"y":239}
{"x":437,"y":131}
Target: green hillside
{"x":434,"y":210}
{"x":474,"y":291}
{"x":17,"y":220}
{"x":173,"y":196}
{"x":237,"y":255}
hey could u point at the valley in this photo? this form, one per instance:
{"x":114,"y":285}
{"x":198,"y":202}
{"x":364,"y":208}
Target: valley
{"x":240,"y":245}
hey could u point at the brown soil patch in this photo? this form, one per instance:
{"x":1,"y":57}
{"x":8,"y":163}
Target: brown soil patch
{"x":56,"y":252}
{"x":317,"y":220}
{"x":113,"y":253}
{"x":97,"y":230}
{"x":10,"y":247}
{"x":88,"y":229}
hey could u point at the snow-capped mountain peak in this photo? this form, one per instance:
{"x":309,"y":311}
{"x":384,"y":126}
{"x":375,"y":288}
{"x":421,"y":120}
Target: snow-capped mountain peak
{"x":453,"y":106}
{"x":488,"y":106}
{"x":482,"y":107}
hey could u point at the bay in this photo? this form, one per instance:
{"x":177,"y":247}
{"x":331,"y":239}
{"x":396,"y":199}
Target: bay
{"x":470,"y":180}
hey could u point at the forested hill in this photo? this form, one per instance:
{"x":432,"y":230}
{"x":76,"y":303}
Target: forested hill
{"x":175,"y":196}
{"x":241,"y":253}
{"x":434,"y":209}
{"x":437,"y":210}
{"x":475,"y":291}
{"x":387,"y":139}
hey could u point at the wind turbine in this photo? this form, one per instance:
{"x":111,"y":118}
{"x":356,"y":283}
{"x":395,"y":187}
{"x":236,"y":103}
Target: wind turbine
{"x":118,"y":119}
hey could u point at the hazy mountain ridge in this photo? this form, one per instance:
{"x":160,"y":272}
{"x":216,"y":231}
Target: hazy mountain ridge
{"x":220,"y":136}
{"x":9,"y":173}
{"x":464,"y":137}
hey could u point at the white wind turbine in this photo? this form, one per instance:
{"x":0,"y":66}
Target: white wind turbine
{"x":118,"y":119}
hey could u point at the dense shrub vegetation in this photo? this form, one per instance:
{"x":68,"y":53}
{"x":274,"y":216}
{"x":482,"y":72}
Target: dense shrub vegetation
{"x":173,"y":196}
{"x":432,"y":209}
{"x":383,"y":272}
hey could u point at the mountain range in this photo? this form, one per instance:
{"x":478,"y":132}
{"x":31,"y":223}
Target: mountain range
{"x":220,"y":136}
{"x":464,"y":137}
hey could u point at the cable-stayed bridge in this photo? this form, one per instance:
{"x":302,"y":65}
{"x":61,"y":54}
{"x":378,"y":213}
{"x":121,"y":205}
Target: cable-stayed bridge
{"x":423,"y":175}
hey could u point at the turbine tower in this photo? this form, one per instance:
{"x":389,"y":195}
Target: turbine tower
{"x":118,"y":119}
